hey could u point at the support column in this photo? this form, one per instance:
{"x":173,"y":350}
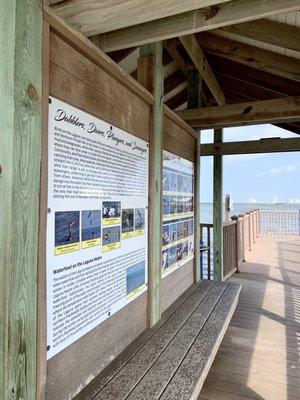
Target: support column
{"x":150,"y":75}
{"x":218,"y":209}
{"x":20,"y":156}
{"x":193,"y":100}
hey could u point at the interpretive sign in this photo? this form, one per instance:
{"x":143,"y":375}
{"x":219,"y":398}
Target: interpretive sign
{"x":178,"y":212}
{"x":96,"y":224}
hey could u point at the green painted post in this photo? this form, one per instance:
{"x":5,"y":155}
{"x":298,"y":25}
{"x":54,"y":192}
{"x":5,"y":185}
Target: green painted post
{"x":154,"y":67}
{"x":193,"y":100}
{"x":20,"y":155}
{"x":218,"y":209}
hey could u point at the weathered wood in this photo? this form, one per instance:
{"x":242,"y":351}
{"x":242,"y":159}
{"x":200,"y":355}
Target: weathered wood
{"x":122,"y":384}
{"x":156,"y":381}
{"x":233,"y":12}
{"x":94,"y":387}
{"x":20,"y":156}
{"x":150,"y":75}
{"x":268,"y":31}
{"x":195,"y":52}
{"x":186,"y":384}
{"x":177,"y":100}
{"x":171,"y":46}
{"x":258,"y":112}
{"x":218,"y":209}
{"x":92,"y":17}
{"x":252,"y":146}
{"x":173,"y":80}
{"x":246,"y":54}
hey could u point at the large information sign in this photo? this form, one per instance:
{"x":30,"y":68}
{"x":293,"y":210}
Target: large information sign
{"x":96,"y":224}
{"x":178,"y":212}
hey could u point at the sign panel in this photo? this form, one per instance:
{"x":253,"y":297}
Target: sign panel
{"x":96,"y":224}
{"x":178,"y":212}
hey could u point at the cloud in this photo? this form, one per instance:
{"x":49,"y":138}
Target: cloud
{"x":288,"y":168}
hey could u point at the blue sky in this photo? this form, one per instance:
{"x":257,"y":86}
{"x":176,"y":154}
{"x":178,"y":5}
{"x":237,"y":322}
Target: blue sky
{"x":254,"y":176}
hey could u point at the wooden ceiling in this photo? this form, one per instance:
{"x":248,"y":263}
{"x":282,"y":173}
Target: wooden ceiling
{"x":241,"y":54}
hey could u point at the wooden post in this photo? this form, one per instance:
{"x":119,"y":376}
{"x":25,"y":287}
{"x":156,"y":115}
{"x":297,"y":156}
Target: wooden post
{"x":20,"y":156}
{"x":254,"y":224}
{"x":150,"y":75}
{"x":242,"y":218}
{"x":218,"y":209}
{"x":193,"y":100}
{"x":249,"y":229}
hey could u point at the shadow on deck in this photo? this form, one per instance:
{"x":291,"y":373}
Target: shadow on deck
{"x":259,"y":356}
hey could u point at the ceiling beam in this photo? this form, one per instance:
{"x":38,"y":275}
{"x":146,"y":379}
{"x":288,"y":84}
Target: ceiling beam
{"x":177,"y":100}
{"x":171,"y":46}
{"x":268,"y":31}
{"x":270,"y":145}
{"x":92,"y":17}
{"x":203,"y":19}
{"x":246,"y":54}
{"x":248,"y":113}
{"x":195,"y":52}
{"x":251,"y":75}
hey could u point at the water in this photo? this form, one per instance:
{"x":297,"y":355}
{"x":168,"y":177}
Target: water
{"x":206,"y":209}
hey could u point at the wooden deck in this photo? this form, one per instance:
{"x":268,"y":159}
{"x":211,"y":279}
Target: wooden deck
{"x":259,"y":356}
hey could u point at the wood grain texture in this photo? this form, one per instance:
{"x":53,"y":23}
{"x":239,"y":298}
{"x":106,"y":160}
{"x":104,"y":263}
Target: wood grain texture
{"x":20,"y":155}
{"x":92,"y":17}
{"x":218,"y":209}
{"x":202,"y":19}
{"x":186,"y":384}
{"x":119,"y":387}
{"x":195,"y":52}
{"x":257,"y":112}
{"x":246,"y":54}
{"x":268,"y":31}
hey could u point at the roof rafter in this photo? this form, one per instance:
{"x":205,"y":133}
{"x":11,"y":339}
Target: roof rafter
{"x":268,"y":31}
{"x":250,"y":55}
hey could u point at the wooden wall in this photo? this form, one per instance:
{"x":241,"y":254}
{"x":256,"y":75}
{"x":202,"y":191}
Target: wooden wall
{"x":76,"y":79}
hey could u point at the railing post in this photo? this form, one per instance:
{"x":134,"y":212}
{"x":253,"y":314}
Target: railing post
{"x":253,"y":225}
{"x":242,"y":217}
{"x":249,"y":230}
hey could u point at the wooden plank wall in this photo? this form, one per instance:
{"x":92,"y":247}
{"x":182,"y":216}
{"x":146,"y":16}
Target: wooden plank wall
{"x":75,"y":79}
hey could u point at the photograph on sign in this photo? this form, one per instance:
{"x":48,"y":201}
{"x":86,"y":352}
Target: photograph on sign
{"x":178,"y":212}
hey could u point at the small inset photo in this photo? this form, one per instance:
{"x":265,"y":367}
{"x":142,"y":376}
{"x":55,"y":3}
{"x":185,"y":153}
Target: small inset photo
{"x":66,"y":232}
{"x":173,"y":183}
{"x":90,"y":228}
{"x":111,"y":238}
{"x":139,"y":220}
{"x":166,"y":205}
{"x":135,"y":278}
{"x":165,"y":240}
{"x":166,"y":181}
{"x":173,"y":204}
{"x":127,"y":223}
{"x":165,"y":259}
{"x":180,"y":183}
{"x":173,"y":232}
{"x":172,"y":255}
{"x":111,"y":212}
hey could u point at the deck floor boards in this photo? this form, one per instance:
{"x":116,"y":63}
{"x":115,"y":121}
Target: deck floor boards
{"x":259,"y":357}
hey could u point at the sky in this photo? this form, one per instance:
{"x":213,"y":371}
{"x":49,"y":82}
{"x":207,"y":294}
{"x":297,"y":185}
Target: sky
{"x":253,"y":176}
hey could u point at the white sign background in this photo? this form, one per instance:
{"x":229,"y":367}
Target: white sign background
{"x":91,"y":162}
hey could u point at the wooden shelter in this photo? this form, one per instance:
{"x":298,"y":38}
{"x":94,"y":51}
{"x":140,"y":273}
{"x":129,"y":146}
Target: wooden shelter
{"x":161,"y":71}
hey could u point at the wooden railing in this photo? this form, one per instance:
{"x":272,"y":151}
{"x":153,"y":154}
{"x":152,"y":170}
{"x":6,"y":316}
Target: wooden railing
{"x":238,"y":238}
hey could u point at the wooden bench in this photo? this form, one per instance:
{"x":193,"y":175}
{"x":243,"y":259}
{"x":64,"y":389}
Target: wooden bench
{"x":171,"y":360}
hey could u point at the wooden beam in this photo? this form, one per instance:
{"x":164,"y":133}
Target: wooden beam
{"x":177,"y":100}
{"x":202,"y":19}
{"x":171,"y":46}
{"x":248,"y":74}
{"x":194,"y":101}
{"x":150,"y":75}
{"x":20,"y":157}
{"x":173,"y":80}
{"x":92,"y":17}
{"x":246,"y":54}
{"x":193,"y":49}
{"x":218,"y":208}
{"x":249,"y":113}
{"x":268,"y":31}
{"x":272,"y":145}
